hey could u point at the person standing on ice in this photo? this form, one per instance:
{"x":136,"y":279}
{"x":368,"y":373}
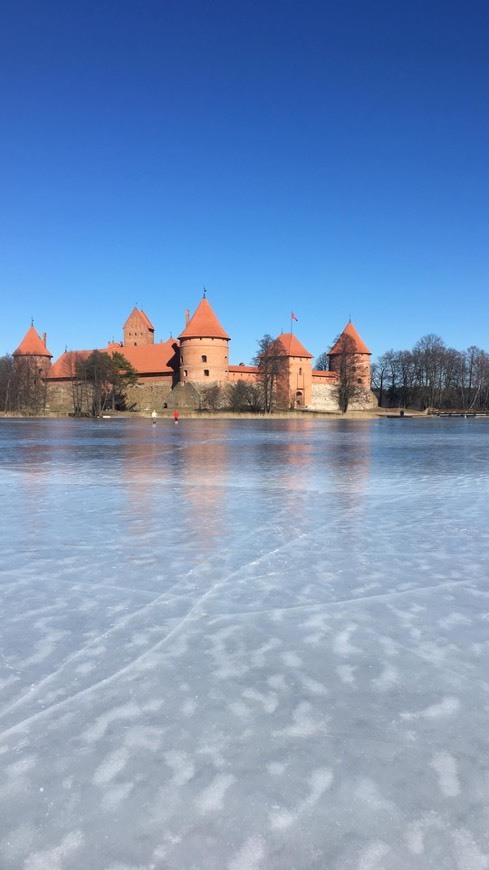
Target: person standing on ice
{"x":175,"y":417}
{"x":154,"y":416}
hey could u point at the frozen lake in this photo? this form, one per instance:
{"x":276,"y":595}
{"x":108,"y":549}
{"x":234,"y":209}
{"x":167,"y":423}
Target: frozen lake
{"x":244,"y":645}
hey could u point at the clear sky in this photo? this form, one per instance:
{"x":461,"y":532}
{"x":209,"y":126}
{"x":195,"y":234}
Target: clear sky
{"x":330,"y":158}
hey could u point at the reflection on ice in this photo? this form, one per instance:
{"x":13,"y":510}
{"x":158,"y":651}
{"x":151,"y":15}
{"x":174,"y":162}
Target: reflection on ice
{"x":244,"y":644}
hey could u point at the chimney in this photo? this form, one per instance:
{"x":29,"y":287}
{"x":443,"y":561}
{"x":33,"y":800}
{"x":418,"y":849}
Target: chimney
{"x":44,"y":339}
{"x":187,"y":316}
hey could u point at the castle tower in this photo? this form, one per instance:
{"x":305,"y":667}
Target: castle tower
{"x":299,"y":371}
{"x":349,"y":348}
{"x":138,"y":329}
{"x":33,"y":349}
{"x":204,"y":348}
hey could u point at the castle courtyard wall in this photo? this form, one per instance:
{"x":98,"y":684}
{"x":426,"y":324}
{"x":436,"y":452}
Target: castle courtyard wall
{"x":324,"y":398}
{"x":61,"y":397}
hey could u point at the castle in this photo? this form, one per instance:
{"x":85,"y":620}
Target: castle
{"x":178,"y":372}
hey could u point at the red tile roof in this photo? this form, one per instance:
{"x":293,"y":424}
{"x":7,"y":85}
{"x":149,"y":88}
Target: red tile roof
{"x":292,"y":345}
{"x":138,"y":314}
{"x":357,"y":345}
{"x":32,"y":345}
{"x":146,"y":359}
{"x":65,"y":365}
{"x":203,"y":324}
{"x":149,"y":358}
{"x":146,"y":319}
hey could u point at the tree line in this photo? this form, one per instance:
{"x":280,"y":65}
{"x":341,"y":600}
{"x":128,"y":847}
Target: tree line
{"x":433,"y":376}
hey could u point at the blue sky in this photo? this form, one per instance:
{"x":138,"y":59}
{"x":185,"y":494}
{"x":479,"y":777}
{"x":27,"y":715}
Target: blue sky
{"x":326,"y":158}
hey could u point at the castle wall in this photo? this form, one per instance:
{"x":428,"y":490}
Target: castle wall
{"x":185,"y":397}
{"x":146,"y":396}
{"x":248,"y":374}
{"x":324,"y":398}
{"x":64,"y":396}
{"x":60,"y":397}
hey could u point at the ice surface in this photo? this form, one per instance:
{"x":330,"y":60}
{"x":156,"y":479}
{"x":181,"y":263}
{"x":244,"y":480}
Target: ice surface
{"x":244,"y":645}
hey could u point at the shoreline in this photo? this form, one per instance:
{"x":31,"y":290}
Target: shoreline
{"x":370,"y":414}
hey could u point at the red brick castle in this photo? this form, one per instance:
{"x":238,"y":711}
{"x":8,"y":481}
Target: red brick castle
{"x":177,"y":372}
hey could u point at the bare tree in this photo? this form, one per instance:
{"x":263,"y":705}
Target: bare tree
{"x":29,"y":386}
{"x":322,"y":362}
{"x":7,"y":379}
{"x":347,"y":387}
{"x":433,"y":376}
{"x":211,"y":397}
{"x":378,"y":376}
{"x":273,"y":367}
{"x":243,"y":396}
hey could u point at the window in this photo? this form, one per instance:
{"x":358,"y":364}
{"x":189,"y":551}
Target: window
{"x":206,"y":372}
{"x":185,"y":373}
{"x":204,"y":358}
{"x":359,"y":380}
{"x":300,"y":371}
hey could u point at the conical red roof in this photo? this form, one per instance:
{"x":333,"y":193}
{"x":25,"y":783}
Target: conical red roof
{"x":203,"y":324}
{"x":356,"y":345}
{"x":32,"y":345}
{"x":292,"y":345}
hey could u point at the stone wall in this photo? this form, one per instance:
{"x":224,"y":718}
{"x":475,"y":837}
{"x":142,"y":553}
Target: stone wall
{"x":184,"y":396}
{"x":324,"y":398}
{"x":140,"y":397}
{"x":148,"y":396}
{"x":59,"y":398}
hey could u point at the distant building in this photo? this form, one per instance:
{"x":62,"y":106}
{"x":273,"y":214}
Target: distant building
{"x":177,"y":372}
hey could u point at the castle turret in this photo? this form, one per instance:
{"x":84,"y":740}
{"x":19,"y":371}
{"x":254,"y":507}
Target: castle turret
{"x":138,"y":329}
{"x":351,"y":348}
{"x":204,"y":348}
{"x":33,"y":348}
{"x":299,"y":370}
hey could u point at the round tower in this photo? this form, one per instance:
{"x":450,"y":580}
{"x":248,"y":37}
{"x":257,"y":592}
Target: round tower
{"x":33,"y":349}
{"x":204,"y":348}
{"x":351,"y":355}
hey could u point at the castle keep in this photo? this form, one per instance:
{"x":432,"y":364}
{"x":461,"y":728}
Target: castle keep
{"x":178,"y":373}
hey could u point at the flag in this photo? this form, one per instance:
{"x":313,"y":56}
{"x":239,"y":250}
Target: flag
{"x":294,"y":317}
